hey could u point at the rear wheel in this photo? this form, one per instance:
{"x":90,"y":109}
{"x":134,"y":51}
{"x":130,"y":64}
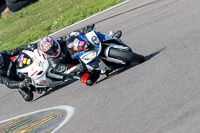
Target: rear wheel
{"x":128,"y":56}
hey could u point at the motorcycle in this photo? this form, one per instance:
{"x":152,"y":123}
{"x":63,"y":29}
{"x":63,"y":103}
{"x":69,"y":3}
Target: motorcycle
{"x":103,"y":56}
{"x":34,"y":66}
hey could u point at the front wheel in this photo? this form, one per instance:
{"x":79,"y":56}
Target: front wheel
{"x":128,"y":56}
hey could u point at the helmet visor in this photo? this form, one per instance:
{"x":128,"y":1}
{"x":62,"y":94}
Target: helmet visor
{"x":52,"y":51}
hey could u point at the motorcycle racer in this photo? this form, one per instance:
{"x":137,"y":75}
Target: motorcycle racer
{"x":8,"y":74}
{"x":58,"y":55}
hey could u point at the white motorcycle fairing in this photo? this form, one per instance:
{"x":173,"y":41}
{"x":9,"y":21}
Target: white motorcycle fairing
{"x":35,"y":65}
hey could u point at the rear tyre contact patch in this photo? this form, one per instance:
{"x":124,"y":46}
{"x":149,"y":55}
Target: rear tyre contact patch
{"x":41,"y":121}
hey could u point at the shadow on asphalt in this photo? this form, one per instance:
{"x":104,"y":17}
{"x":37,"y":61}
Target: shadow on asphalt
{"x":148,"y":57}
{"x":51,"y":90}
{"x":118,"y":71}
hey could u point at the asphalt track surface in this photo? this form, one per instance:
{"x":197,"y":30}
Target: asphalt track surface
{"x":161,"y":95}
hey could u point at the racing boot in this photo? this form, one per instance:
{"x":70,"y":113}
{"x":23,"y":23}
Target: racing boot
{"x":26,"y":94}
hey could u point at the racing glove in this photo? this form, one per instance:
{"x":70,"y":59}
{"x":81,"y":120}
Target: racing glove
{"x":86,"y":29}
{"x":32,"y":46}
{"x":74,"y":70}
{"x":24,"y":83}
{"x":80,"y":67}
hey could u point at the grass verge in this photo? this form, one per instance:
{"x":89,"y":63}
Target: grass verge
{"x":45,"y":17}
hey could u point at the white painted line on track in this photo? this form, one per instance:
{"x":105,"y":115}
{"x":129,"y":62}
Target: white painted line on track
{"x":90,"y":17}
{"x":87,"y":18}
{"x":70,"y":111}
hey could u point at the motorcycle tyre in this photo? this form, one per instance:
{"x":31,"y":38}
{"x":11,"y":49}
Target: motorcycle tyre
{"x":128,"y":56}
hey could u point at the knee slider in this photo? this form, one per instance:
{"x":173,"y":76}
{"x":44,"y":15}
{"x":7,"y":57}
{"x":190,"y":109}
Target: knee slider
{"x":89,"y":79}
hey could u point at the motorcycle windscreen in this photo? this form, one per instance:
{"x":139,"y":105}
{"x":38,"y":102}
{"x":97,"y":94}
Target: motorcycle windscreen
{"x":23,"y":61}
